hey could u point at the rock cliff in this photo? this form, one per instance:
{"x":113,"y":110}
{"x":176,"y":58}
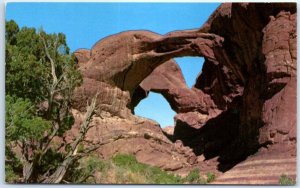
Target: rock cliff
{"x":243,"y":102}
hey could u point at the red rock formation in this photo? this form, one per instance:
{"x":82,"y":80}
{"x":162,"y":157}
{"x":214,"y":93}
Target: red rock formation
{"x":261,"y":169}
{"x":141,"y":137}
{"x":115,"y":69}
{"x":279,"y":110}
{"x":168,"y":80}
{"x":119,"y":63}
{"x":255,"y":65}
{"x":243,"y":101}
{"x":82,"y":56}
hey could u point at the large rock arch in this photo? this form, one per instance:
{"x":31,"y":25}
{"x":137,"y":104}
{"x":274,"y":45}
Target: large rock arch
{"x":244,"y":100}
{"x":121,"y":62}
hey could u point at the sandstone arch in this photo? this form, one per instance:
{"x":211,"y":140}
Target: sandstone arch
{"x":249,"y":71}
{"x":121,"y":62}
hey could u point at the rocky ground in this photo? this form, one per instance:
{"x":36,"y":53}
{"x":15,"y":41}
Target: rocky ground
{"x":239,"y":119}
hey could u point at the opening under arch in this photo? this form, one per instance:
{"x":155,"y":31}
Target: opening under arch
{"x":190,"y":67}
{"x":157,"y":108}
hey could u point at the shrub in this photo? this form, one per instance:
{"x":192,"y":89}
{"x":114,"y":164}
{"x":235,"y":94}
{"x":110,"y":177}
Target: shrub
{"x":285,"y":180}
{"x":193,"y":176}
{"x":210,"y":177}
{"x":11,"y":176}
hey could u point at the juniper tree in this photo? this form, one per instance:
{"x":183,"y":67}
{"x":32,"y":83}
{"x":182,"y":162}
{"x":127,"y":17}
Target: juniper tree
{"x":40,"y":80}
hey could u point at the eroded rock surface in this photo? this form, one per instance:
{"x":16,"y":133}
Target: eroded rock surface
{"x":142,"y":137}
{"x":255,"y":68}
{"x":243,"y":102}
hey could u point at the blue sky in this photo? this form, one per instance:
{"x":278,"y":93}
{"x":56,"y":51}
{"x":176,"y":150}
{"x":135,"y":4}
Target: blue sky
{"x":86,"y":23}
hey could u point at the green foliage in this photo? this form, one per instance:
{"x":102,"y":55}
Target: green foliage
{"x":50,"y":161}
{"x":21,"y":122}
{"x":11,"y":176}
{"x":11,"y":30}
{"x":41,"y":76}
{"x":25,"y":65}
{"x":285,"y":180}
{"x":125,"y":160}
{"x":28,"y":70}
{"x":80,"y":148}
{"x":210,"y":177}
{"x":66,"y":124}
{"x":125,"y":169}
{"x":87,"y":167}
{"x":193,"y":176}
{"x":13,"y":166}
{"x":94,"y":163}
{"x":153,"y":175}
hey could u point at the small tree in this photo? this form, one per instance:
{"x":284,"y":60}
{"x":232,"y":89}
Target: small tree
{"x":40,"y":79}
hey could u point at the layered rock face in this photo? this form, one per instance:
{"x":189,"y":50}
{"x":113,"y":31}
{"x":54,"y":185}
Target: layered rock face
{"x":259,"y":41}
{"x":243,"y":102}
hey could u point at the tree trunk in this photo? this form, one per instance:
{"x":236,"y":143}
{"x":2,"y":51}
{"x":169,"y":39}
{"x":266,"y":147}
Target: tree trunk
{"x":60,"y":172}
{"x":27,"y":171}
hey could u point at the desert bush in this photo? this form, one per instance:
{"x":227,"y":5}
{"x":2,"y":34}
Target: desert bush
{"x":210,"y":177}
{"x":193,"y":176}
{"x":285,"y":180}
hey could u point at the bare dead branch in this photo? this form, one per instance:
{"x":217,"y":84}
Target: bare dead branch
{"x":72,"y":155}
{"x":85,"y":124}
{"x":50,"y":58}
